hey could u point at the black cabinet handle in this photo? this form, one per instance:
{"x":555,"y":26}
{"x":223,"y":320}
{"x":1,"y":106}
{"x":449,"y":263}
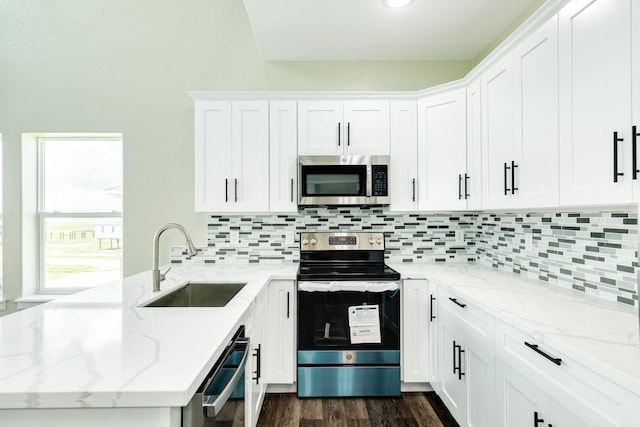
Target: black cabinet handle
{"x":413,"y":186}
{"x":455,"y":348}
{"x":616,"y":174}
{"x":432,"y":299}
{"x":338,"y":134}
{"x":459,"y":187}
{"x":235,"y":188}
{"x":226,"y":190}
{"x":506,"y":188}
{"x":460,"y":373}
{"x":536,"y":420}
{"x":535,"y":348}
{"x":513,"y":177}
{"x":634,"y":146}
{"x":257,"y":371}
{"x":291,"y":190}
{"x":466,"y":186}
{"x":458,"y":303}
{"x":348,"y":133}
{"x":287,"y":305}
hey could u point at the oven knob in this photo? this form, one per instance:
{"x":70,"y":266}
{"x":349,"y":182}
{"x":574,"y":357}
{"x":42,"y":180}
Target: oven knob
{"x":313,"y":241}
{"x":371,"y":241}
{"x":305,"y":241}
{"x":379,"y":241}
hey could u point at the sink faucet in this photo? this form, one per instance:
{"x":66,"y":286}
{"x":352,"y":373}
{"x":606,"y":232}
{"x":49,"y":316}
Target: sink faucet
{"x":156,"y":275}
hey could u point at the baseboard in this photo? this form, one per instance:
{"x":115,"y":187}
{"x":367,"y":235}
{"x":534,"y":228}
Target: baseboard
{"x":415,"y":387}
{"x":282,"y":388}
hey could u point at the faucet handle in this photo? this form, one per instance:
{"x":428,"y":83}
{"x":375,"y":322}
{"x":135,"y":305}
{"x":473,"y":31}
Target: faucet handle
{"x":162,"y":275}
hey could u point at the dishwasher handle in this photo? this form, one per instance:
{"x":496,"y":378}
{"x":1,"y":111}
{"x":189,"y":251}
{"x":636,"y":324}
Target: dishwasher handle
{"x":213,"y":403}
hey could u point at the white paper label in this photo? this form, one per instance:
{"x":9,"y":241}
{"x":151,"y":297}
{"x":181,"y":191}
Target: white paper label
{"x":364,"y":324}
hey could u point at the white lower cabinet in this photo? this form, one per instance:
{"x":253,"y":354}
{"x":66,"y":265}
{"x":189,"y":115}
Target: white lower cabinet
{"x":280,"y":366}
{"x":415,"y":331}
{"x":255,"y":386}
{"x":465,"y":350}
{"x":535,"y":381}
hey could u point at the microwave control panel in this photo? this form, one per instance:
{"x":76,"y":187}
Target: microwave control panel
{"x":380,"y":184}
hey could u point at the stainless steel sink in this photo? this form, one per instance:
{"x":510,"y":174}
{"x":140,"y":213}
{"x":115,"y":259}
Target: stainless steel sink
{"x":195,"y":294}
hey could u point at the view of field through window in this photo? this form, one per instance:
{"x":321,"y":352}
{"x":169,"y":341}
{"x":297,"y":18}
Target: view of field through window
{"x":81,"y":212}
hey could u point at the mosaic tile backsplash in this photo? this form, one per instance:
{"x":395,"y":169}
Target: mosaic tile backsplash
{"x":593,"y":252}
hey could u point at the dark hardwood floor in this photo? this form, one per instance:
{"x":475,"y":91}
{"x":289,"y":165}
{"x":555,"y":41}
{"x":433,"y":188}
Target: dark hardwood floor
{"x":411,"y":409}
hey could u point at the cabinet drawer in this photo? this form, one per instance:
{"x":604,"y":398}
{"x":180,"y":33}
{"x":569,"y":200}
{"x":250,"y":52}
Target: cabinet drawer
{"x":558,"y":375}
{"x":477,"y":324}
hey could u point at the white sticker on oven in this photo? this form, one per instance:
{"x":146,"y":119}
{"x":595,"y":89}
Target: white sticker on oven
{"x":364,"y":324}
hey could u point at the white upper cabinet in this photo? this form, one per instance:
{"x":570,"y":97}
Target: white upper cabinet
{"x":231,"y":156}
{"x":442,"y":151}
{"x":520,"y":125}
{"x":473,"y":177}
{"x":328,"y":127}
{"x":596,"y":101}
{"x":283,"y":156}
{"x":404,"y":148}
{"x":536,"y":121}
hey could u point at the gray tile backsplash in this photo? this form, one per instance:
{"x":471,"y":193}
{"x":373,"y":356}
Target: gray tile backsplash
{"x":594,"y":252}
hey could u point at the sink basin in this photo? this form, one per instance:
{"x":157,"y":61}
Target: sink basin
{"x":199,"y":295}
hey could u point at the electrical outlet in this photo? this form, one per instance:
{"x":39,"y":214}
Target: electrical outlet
{"x":289,"y":237}
{"x":234,"y":237}
{"x":528,"y":242}
{"x":459,"y":236}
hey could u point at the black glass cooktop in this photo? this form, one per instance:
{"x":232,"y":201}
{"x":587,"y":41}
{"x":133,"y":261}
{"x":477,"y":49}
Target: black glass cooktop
{"x":346,"y":271}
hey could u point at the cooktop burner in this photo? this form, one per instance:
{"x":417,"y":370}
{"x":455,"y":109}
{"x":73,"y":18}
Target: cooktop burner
{"x":335,"y":256}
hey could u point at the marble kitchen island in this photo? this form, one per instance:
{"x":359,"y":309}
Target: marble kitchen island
{"x":97,"y":358}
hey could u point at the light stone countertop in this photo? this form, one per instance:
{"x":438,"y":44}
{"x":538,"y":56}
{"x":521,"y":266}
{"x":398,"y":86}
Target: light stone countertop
{"x":98,"y":348}
{"x":601,"y":335}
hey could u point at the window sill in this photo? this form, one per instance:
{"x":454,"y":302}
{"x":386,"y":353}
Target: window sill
{"x":33,"y":300}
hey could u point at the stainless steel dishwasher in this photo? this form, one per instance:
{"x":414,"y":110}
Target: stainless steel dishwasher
{"x":220,"y":399}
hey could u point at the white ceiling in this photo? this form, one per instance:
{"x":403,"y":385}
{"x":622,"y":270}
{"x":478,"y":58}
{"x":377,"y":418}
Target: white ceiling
{"x":368,"y":30}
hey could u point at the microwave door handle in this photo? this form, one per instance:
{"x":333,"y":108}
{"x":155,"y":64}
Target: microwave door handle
{"x":212,"y":404}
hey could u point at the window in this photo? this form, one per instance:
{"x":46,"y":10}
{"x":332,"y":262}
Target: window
{"x":80,"y":212}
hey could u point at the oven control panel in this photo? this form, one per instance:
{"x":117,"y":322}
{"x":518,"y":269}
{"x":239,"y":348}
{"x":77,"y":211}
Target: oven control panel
{"x":323,"y":241}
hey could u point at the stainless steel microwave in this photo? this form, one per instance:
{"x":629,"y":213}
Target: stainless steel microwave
{"x":343,"y":180}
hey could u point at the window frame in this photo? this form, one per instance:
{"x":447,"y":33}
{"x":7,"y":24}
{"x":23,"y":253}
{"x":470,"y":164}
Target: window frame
{"x":42,"y":216}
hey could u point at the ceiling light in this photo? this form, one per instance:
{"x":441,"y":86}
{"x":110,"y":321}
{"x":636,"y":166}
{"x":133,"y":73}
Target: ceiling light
{"x":396,"y":3}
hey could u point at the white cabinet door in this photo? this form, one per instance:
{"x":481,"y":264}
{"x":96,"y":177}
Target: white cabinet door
{"x":283,"y":156}
{"x":212,"y":134}
{"x":595,"y":102}
{"x":453,"y":384}
{"x":536,"y":122}
{"x":280,"y":350}
{"x":442,"y":151}
{"x":255,"y":385}
{"x":250,"y":148}
{"x":473,"y":178}
{"x":635,"y":86}
{"x":435,"y":368}
{"x":366,"y":127}
{"x":520,"y":400}
{"x":320,"y":128}
{"x":497,"y":136}
{"x":404,"y":149}
{"x":415,"y":331}
{"x":333,"y":127}
{"x":231,"y":156}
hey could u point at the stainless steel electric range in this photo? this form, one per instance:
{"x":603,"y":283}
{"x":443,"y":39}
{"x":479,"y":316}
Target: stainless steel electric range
{"x":348,"y":316}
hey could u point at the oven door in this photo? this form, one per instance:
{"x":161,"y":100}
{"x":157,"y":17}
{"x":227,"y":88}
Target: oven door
{"x":340,"y":316}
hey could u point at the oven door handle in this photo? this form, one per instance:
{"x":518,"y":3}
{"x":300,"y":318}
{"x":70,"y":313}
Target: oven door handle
{"x":212,"y":404}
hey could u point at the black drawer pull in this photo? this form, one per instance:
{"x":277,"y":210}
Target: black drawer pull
{"x":432,"y":299}
{"x":458,"y":303}
{"x":616,"y":174}
{"x":535,"y":348}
